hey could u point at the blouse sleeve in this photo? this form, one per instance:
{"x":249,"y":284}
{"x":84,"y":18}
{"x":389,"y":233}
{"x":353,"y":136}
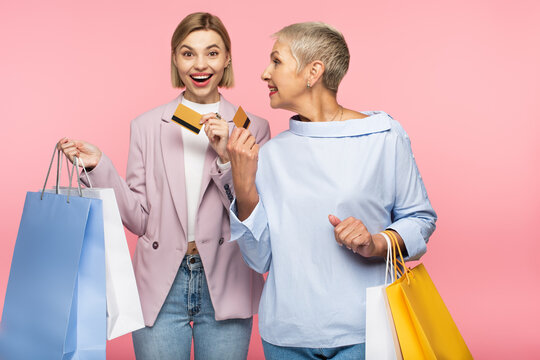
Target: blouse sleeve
{"x":413,"y":218}
{"x":253,"y":237}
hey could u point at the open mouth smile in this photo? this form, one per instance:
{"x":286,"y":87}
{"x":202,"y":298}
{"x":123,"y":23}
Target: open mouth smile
{"x":200,"y":79}
{"x":273,"y":90}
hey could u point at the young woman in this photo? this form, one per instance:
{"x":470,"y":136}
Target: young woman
{"x":192,"y":281}
{"x":311,"y":209}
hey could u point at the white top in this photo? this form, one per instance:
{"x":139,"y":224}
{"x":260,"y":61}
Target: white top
{"x":195,"y":146}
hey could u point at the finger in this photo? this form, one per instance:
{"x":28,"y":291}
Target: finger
{"x":345,"y":223}
{"x":220,"y":124}
{"x":68,"y":149}
{"x":347,"y":235}
{"x":348,"y":230}
{"x":213,"y":131}
{"x":250,"y":142}
{"x":207,"y":130}
{"x":243,"y":135}
{"x":217,"y":124}
{"x":66,"y":145}
{"x":72,"y":143}
{"x":70,"y":154}
{"x":334,"y":220}
{"x":79,"y":144}
{"x":355,"y":240}
{"x":60,"y":142}
{"x":363,"y":239}
{"x":234,"y":135}
{"x":206,"y":117}
{"x":363,"y":242}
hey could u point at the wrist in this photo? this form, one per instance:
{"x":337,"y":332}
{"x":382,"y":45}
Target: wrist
{"x":224,"y":159}
{"x":246,"y":193}
{"x":92,"y":165}
{"x":245,"y":203}
{"x":380,"y":245}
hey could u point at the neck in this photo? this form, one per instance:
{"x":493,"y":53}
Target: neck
{"x":319,"y":106}
{"x":212,"y":97}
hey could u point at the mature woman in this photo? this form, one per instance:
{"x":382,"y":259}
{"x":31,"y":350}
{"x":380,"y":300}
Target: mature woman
{"x":311,"y":209}
{"x":176,"y":198}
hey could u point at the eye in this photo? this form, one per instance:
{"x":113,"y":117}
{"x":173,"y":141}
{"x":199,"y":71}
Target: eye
{"x":276,"y":62}
{"x":213,"y":53}
{"x":187,"y":53}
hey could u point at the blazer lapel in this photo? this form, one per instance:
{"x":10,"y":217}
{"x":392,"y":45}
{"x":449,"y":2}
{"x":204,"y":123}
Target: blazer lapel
{"x":172,"y":150}
{"x":227,"y":111}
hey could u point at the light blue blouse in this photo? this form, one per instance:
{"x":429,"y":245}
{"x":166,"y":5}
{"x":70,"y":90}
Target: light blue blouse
{"x":315,"y":292}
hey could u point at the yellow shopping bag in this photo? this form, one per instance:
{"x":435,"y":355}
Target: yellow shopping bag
{"x":423,"y":324}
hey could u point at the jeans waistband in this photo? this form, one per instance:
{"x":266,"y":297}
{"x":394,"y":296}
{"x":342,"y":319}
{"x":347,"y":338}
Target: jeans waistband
{"x":192,"y":262}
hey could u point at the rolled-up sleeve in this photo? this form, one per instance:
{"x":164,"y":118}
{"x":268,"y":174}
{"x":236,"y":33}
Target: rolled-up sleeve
{"x":253,"y":237}
{"x":412,"y":216}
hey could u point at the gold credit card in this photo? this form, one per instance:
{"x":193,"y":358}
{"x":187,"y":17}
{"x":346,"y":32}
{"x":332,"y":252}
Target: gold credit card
{"x":187,"y":118}
{"x":241,"y":119}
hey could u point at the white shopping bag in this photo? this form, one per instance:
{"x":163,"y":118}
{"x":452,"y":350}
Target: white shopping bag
{"x":381,"y":338}
{"x":124,"y":313}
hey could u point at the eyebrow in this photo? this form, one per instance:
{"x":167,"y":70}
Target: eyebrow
{"x":275,"y":52}
{"x":207,"y":48}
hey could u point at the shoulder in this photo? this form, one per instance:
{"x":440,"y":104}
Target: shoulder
{"x":278,"y":143}
{"x":397,"y":128}
{"x":154,"y":115}
{"x":394,"y":127}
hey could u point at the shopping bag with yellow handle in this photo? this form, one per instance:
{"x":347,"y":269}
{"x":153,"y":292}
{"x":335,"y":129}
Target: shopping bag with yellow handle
{"x":423,"y":324}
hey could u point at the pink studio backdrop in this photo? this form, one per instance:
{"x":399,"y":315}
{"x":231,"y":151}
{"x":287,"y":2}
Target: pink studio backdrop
{"x":463,"y":77}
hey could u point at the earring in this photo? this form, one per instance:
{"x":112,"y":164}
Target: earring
{"x":308,"y":85}
{"x":229,"y":64}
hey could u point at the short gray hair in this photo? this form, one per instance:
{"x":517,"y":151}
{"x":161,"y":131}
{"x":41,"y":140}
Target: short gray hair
{"x":310,"y":41}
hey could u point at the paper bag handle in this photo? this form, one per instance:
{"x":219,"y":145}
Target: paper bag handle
{"x":58,"y":172}
{"x":389,"y":261}
{"x":395,"y":245}
{"x":84,"y":169}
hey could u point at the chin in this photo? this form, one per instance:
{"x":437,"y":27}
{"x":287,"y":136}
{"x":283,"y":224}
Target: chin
{"x":201,"y":92}
{"x":274,"y":104}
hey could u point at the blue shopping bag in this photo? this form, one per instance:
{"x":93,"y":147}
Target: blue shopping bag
{"x":55,"y":304}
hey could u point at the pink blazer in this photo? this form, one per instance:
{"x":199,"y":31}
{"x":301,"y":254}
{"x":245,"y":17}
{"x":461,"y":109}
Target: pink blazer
{"x":152,"y":202}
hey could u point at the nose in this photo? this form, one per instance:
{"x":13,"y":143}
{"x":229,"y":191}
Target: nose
{"x":265,"y":76}
{"x":200,"y":63}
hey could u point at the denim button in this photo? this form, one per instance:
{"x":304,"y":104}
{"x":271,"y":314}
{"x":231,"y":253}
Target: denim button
{"x":221,"y":241}
{"x":192,"y":260}
{"x":155,"y":245}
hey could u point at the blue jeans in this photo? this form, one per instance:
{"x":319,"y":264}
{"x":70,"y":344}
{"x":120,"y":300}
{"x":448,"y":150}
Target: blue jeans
{"x":351,"y":352}
{"x":188,"y":314}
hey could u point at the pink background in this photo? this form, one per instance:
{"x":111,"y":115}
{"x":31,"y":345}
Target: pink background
{"x":463,"y":77}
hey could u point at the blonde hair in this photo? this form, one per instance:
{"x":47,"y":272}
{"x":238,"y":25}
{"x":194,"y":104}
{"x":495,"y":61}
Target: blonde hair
{"x":194,"y":22}
{"x":310,"y":41}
